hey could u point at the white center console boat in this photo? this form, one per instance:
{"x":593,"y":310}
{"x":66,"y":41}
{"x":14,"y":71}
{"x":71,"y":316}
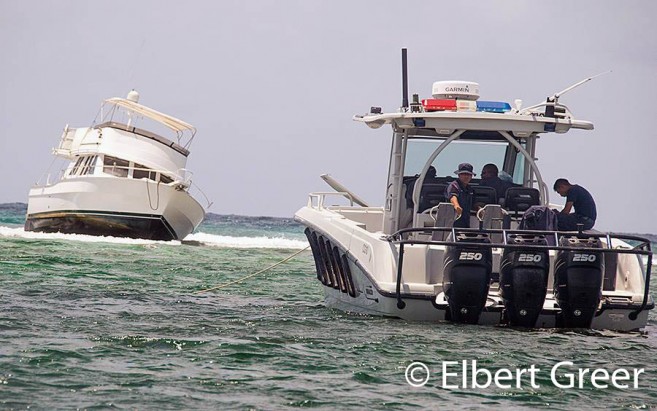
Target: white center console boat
{"x":407,"y":260}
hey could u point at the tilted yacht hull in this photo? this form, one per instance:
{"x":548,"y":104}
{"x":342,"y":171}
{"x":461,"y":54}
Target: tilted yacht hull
{"x":110,"y":206}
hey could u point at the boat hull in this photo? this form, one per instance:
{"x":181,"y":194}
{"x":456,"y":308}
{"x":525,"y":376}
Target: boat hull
{"x":357,"y":269}
{"x":427,"y":310}
{"x":110,"y":206}
{"x":371,"y":300}
{"x":152,"y":227}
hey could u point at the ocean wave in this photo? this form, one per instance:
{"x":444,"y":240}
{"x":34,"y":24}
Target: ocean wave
{"x":201,"y":239}
{"x":19,"y":232}
{"x":213,"y":240}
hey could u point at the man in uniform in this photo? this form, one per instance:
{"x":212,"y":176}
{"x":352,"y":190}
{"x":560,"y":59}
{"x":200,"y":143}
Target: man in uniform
{"x":459,"y":192}
{"x":579,"y":199}
{"x":490,"y":178}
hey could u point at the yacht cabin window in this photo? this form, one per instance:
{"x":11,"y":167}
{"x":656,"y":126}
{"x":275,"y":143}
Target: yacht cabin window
{"x":89,"y":165}
{"x":76,"y":166}
{"x":141,"y":171}
{"x":115,"y":166}
{"x":121,"y":168}
{"x":84,"y":165}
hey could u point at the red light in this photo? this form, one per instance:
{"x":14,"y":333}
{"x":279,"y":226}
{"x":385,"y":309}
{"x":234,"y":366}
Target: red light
{"x":433,"y":104}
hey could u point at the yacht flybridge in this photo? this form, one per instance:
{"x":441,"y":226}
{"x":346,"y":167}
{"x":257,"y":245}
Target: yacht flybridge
{"x":122,"y":177}
{"x":407,"y":260}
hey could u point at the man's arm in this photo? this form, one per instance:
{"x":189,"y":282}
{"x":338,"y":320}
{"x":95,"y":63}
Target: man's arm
{"x":567,"y":208}
{"x":457,"y":207}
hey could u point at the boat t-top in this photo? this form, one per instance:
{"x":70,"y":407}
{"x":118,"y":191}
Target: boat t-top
{"x":123,"y":176}
{"x":406,"y":259}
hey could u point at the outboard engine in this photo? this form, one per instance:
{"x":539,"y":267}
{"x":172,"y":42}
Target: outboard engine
{"x":466,"y":276}
{"x":578,"y":281}
{"x":523,"y":279}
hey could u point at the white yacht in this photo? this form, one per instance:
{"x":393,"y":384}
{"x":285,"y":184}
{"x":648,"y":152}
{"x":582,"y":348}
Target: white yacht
{"x":407,"y":260}
{"x":123,"y":176}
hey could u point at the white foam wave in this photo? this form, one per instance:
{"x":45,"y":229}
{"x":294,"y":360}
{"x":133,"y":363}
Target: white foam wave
{"x":210,"y":240}
{"x":214,"y":240}
{"x":19,"y":232}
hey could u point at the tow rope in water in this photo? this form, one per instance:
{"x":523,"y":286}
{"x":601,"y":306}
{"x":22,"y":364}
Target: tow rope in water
{"x":254,"y":274}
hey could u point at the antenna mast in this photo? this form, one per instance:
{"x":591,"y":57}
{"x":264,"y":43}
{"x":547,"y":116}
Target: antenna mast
{"x":556,"y":96}
{"x":404,"y":81}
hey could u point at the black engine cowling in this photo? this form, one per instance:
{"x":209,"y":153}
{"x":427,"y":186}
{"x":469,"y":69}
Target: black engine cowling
{"x":578,"y":281}
{"x":523,"y":279}
{"x":466,"y":276}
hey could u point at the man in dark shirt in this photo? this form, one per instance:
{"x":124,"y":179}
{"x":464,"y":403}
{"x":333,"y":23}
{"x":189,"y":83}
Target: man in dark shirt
{"x":579,"y":199}
{"x":489,"y":178}
{"x":460,"y":194}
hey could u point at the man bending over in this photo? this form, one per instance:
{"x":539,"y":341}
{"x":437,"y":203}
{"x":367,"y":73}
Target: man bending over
{"x":578,"y":199}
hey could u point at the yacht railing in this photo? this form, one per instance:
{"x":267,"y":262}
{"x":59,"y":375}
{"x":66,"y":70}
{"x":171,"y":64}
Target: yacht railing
{"x":320,"y":196}
{"x":65,"y":142}
{"x":196,"y":188}
{"x":643,"y":248}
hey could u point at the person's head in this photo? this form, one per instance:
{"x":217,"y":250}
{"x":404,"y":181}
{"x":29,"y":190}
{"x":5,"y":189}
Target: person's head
{"x":431,"y":172}
{"x":465,"y":172}
{"x":562,"y":186}
{"x":489,"y":171}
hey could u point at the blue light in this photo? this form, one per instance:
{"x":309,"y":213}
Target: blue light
{"x":418,"y":122}
{"x":493,"y":106}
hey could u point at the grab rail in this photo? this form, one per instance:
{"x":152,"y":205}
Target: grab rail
{"x":643,"y":248}
{"x":321,"y":196}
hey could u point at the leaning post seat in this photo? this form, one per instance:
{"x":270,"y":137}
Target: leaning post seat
{"x":431,"y":195}
{"x":578,"y":280}
{"x":493,"y":216}
{"x":523,"y":279}
{"x":409,"y":183}
{"x":518,"y":199}
{"x":466,"y":276}
{"x":444,"y":216}
{"x":484,"y":195}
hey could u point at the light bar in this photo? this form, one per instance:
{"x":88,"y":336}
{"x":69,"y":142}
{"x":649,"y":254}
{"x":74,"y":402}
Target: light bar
{"x":434,"y":104}
{"x":493,"y":106}
{"x":466,"y":105}
{"x":437,"y":104}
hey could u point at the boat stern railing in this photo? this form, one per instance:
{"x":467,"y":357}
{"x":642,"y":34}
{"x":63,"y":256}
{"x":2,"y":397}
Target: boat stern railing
{"x":316,"y":199}
{"x":402,"y":238}
{"x":66,"y":142}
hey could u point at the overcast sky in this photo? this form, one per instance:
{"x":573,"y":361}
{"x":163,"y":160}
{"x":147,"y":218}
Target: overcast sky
{"x":272,"y":86}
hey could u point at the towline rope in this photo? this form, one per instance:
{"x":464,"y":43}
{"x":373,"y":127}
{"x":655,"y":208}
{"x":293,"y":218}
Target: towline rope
{"x":254,"y":274}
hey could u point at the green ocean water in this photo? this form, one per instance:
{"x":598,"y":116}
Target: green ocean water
{"x":89,"y":323}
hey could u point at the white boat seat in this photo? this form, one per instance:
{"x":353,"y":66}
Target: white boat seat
{"x":444,"y":216}
{"x":493,"y":216}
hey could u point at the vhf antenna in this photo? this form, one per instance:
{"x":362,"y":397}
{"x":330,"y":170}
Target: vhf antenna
{"x":555,"y":97}
{"x":549,"y":108}
{"x":404,"y":81}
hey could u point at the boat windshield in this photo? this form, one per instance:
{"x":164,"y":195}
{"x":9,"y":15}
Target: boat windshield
{"x":477,"y":153}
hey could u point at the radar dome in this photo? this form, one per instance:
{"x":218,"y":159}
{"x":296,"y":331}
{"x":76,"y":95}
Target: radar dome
{"x":133,"y":96}
{"x":463,"y":90}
